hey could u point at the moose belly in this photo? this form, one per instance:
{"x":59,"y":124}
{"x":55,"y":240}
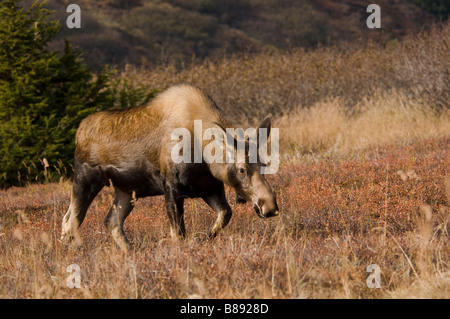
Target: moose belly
{"x":144,"y":182}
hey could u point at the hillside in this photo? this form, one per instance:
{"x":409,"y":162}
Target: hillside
{"x":149,"y":32}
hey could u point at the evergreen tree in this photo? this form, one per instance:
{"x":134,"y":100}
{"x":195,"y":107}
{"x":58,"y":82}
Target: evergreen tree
{"x":439,"y":8}
{"x":43,"y":95}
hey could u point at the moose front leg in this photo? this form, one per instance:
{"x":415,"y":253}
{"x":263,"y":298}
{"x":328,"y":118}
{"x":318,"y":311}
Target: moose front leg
{"x":175,"y":212}
{"x":219,"y":204}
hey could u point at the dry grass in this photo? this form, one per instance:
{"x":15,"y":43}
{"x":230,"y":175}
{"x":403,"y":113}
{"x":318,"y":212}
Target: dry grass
{"x":416,"y":69}
{"x":363,"y":180}
{"x":389,"y":208}
{"x":328,"y":128}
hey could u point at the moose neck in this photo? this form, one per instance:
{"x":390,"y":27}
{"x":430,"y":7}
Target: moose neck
{"x":220,"y":171}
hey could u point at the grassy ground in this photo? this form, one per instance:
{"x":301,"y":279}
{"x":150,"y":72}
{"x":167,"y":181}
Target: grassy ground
{"x":387,"y":206}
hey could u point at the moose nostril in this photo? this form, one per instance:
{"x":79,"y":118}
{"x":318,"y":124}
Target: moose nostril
{"x":272,"y":213}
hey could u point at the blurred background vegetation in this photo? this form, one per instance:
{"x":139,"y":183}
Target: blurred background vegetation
{"x":150,"y":32}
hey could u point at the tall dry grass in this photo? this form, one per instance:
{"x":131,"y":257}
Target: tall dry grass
{"x":251,"y":87}
{"x":329,"y":128}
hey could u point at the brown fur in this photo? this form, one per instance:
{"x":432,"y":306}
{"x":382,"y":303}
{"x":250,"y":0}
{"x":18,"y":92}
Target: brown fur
{"x":124,"y":136}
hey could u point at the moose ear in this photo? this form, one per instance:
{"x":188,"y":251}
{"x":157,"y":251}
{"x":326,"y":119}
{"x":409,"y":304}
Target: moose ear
{"x":228,"y":136}
{"x":266,"y":124}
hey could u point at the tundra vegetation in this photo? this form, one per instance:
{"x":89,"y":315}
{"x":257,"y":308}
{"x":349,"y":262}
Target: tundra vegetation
{"x":363,"y":179}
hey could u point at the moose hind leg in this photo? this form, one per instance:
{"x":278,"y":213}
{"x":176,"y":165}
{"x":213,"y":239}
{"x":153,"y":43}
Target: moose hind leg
{"x":87,"y":183}
{"x":121,"y":208}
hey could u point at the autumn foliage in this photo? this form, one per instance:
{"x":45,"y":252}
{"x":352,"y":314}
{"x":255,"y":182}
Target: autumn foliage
{"x":387,"y":206}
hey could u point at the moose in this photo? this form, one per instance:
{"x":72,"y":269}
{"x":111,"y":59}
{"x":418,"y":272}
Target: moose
{"x":130,"y":149}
